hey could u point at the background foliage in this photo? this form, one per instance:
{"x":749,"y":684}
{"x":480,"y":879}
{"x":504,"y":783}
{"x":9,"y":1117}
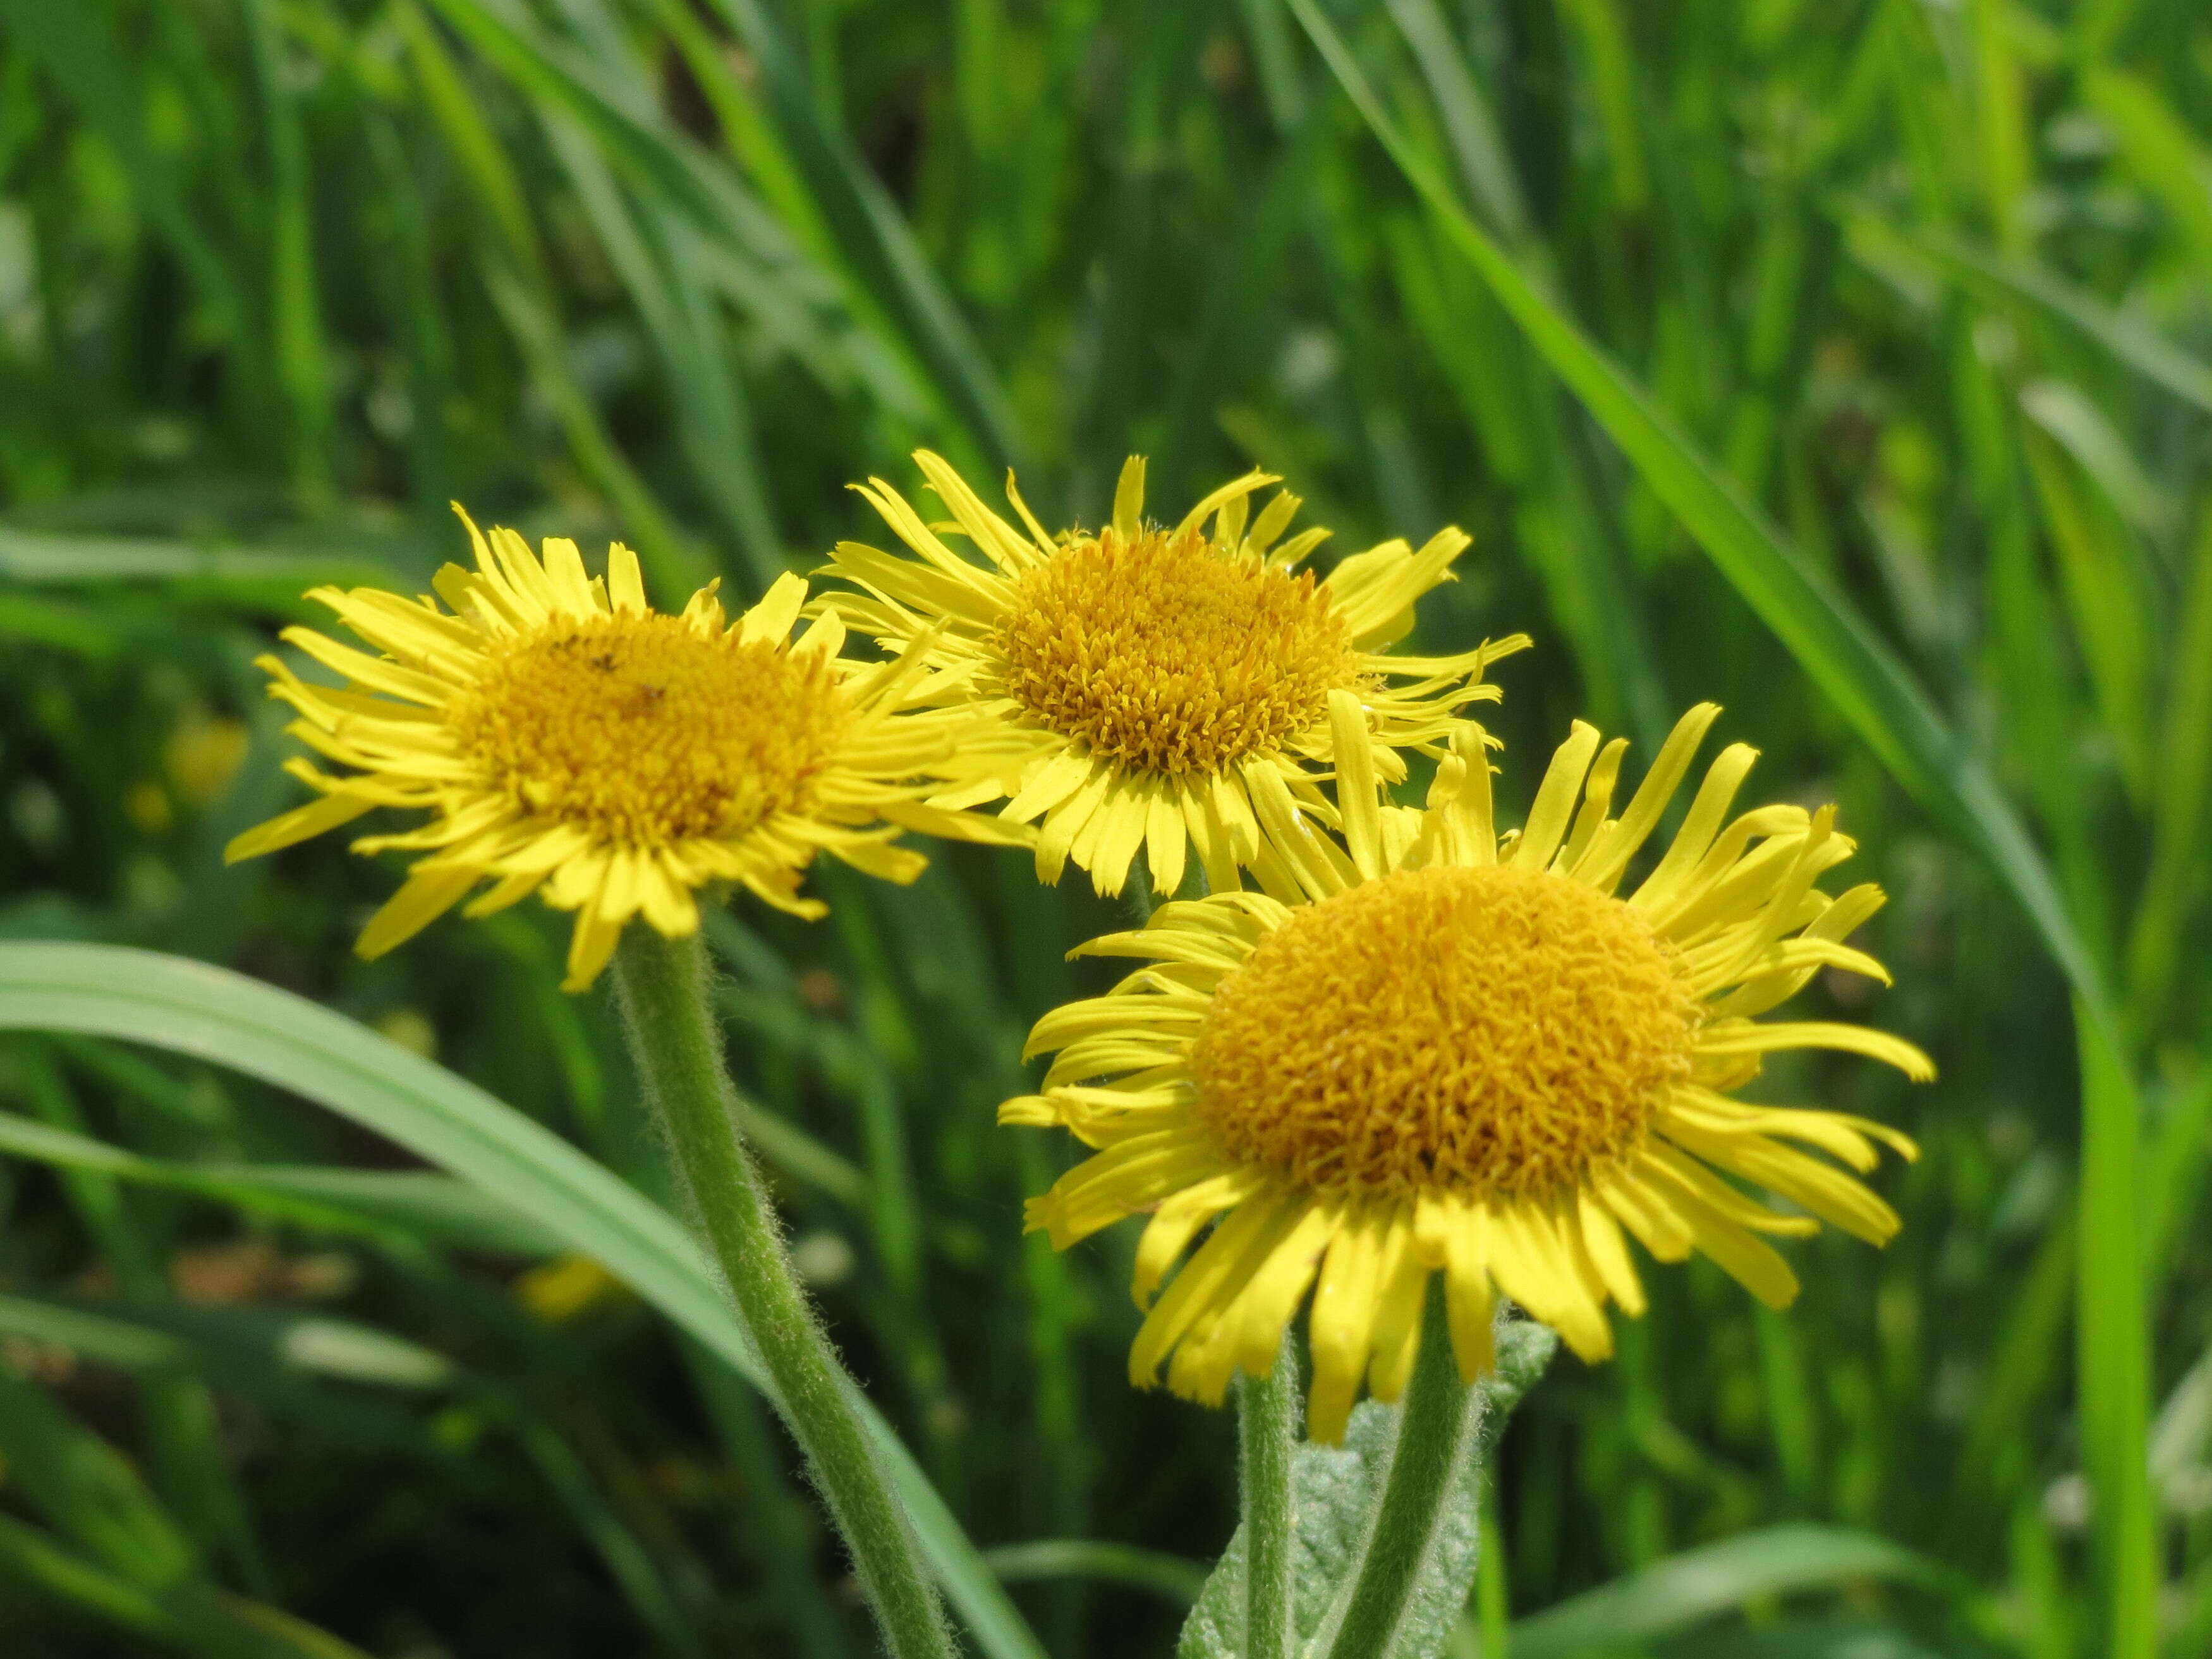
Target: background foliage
{"x":1923,"y":286}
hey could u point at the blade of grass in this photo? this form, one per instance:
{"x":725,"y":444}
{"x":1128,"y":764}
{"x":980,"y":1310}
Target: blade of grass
{"x":229,"y":1020}
{"x":1827,"y":634}
{"x":85,"y":1489}
{"x":2104,"y":603}
{"x":712,"y":424}
{"x":1171,"y":1577}
{"x":2113,"y":1362}
{"x":178,"y":1413}
{"x":674,"y":565}
{"x":1690,"y":1587}
{"x":248,"y":574}
{"x":74,"y":45}
{"x":877,"y":246}
{"x":192,"y":1617}
{"x":518,"y":281}
{"x":2158,"y":148}
{"x":411,"y":1203}
{"x":301,"y":368}
{"x":2184,"y":786}
{"x":2015,"y":284}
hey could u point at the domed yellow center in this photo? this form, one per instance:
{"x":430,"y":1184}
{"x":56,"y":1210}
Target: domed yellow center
{"x":1486,"y":1030}
{"x":647,"y":733}
{"x":1159,"y":652}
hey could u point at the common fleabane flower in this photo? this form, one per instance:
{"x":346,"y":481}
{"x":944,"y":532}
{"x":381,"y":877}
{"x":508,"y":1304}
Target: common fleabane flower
{"x":1464,"y":1053}
{"x":569,"y":740}
{"x":1161,"y":688}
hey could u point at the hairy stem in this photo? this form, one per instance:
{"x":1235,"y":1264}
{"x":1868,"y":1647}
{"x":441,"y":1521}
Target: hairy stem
{"x":1267,"y":1435}
{"x":1436,"y":1436}
{"x":661,"y":987}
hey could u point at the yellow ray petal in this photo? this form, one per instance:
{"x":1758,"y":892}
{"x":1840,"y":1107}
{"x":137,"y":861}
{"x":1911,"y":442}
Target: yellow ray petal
{"x":419,"y":902}
{"x":1129,"y":499}
{"x":1341,"y":1322}
{"x":1555,"y":799}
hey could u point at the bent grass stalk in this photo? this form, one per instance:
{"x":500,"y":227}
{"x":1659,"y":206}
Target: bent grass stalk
{"x":661,"y":988}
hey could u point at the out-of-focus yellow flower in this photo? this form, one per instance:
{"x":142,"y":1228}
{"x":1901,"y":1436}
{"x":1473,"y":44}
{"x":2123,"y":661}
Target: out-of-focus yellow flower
{"x":559,"y":1290}
{"x":203,"y":756}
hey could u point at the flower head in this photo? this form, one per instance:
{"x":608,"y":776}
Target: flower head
{"x":1463,"y":1053}
{"x":1161,"y":689}
{"x":570,"y":741}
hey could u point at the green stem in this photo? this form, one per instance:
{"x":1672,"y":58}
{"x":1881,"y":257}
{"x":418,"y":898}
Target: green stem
{"x":1267,"y":1435}
{"x":1437,"y":1434}
{"x":661,"y":987}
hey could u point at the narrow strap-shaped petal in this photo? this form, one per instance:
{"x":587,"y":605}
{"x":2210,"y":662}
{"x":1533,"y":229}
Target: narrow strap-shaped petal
{"x":1555,"y":799}
{"x":1221,"y":1267}
{"x":1129,"y":499}
{"x":1166,"y":845}
{"x":1281,"y":1283}
{"x":625,"y":582}
{"x":1467,"y":1302}
{"x":1341,"y":1324}
{"x":1274,"y":518}
{"x":993,"y":536}
{"x":1177,"y":1221}
{"x":1355,"y":796}
{"x":1601,"y":866}
{"x":1402,"y":1284}
{"x":1597,"y":801}
{"x":1212,"y":501}
{"x":420,"y":900}
{"x":1708,"y":809}
{"x":770,"y":621}
{"x":1756,"y":1039}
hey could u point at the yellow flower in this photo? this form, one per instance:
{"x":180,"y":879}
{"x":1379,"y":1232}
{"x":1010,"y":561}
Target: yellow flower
{"x":1463,"y":1054}
{"x":570,"y":741}
{"x":1161,"y":689}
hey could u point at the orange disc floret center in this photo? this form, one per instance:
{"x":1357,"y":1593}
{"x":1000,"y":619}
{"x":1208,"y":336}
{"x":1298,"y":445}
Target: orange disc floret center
{"x":647,"y":734}
{"x":1478,"y":1030}
{"x":1158,"y":651}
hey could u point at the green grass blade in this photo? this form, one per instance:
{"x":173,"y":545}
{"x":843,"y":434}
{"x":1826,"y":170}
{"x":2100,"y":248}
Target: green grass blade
{"x":229,"y":1020}
{"x":415,"y":1203}
{"x":1835,"y":644}
{"x":1172,"y":1577}
{"x":191,"y":1467}
{"x":2017,"y":285}
{"x":673,"y":566}
{"x":1690,"y":1587}
{"x":2184,"y":787}
{"x":301,"y":366}
{"x":2158,"y":146}
{"x":2106,"y":600}
{"x":73,"y":45}
{"x":276,"y":1346}
{"x":37,"y":1561}
{"x":247,"y":574}
{"x":712,"y":425}
{"x":2113,"y":1361}
{"x":191,"y":1617}
{"x":878,"y":247}
{"x":84,"y":1486}
{"x":2081,"y":429}
{"x":1478,"y":146}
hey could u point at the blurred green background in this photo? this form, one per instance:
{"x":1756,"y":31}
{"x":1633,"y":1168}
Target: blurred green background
{"x":1928,"y":287}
